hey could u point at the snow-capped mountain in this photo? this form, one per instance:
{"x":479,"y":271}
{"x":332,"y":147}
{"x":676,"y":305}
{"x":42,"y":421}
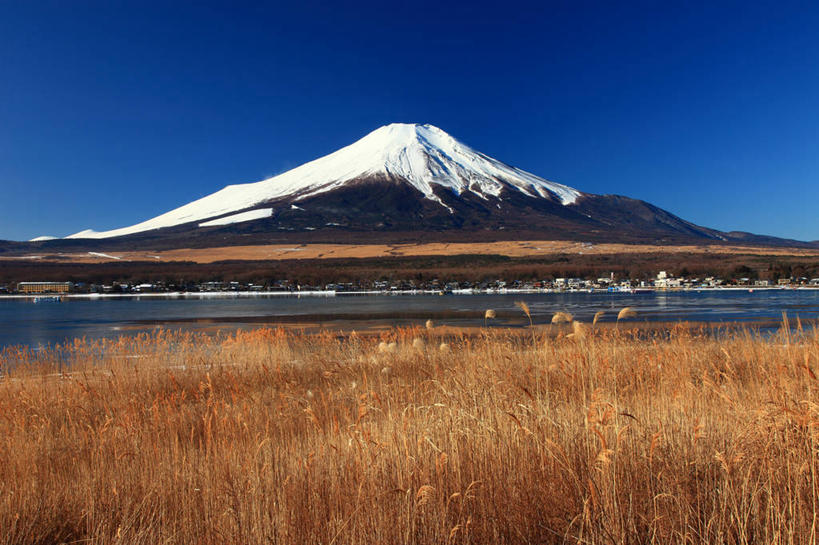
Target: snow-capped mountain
{"x":423,"y":156}
{"x":405,"y":182}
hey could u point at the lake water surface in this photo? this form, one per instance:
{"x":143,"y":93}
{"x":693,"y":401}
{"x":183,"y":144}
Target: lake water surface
{"x":35,"y":324}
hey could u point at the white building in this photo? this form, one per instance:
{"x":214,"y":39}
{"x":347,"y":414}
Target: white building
{"x":664,"y":281}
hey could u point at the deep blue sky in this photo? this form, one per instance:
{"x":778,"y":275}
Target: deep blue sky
{"x":113,"y":112}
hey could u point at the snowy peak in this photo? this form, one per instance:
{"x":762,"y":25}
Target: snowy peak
{"x":423,"y":156}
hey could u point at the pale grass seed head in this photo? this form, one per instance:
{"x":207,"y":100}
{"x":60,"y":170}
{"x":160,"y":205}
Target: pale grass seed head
{"x":525,"y":308}
{"x":489,"y":314}
{"x":626,"y":312}
{"x":424,"y":494}
{"x":597,"y":315}
{"x":444,"y":347}
{"x":418,"y":343}
{"x":562,"y":318}
{"x":578,"y":330}
{"x":430,"y":324}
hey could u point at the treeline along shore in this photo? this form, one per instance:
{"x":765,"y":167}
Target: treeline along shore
{"x":421,"y":270}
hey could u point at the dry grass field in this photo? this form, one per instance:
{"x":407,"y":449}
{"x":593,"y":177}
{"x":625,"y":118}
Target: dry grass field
{"x":414,"y":436}
{"x":525,"y":248}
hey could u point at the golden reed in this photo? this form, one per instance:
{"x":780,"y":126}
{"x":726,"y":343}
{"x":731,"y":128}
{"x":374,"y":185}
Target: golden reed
{"x":271,"y":436}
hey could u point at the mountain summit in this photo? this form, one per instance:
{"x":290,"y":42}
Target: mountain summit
{"x":406,"y":182}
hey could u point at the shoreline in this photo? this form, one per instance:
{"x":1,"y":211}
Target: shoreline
{"x":333,"y":293}
{"x":346,"y":328}
{"x":517,"y":326}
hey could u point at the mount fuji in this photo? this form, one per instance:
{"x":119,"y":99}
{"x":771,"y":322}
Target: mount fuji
{"x":406,"y":182}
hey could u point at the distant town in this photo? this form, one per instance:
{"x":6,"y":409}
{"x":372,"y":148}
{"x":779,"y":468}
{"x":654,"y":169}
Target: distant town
{"x":662,"y":281}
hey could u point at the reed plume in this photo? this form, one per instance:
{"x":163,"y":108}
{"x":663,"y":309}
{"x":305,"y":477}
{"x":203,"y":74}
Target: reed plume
{"x":387,"y":348}
{"x":525,"y":308}
{"x":597,"y":315}
{"x":562,"y":318}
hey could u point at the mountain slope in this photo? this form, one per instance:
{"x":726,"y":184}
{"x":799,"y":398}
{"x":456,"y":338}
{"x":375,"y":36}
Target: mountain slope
{"x":407,"y":182}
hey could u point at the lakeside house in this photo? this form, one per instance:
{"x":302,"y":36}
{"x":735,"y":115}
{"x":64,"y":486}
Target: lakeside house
{"x":44,"y":287}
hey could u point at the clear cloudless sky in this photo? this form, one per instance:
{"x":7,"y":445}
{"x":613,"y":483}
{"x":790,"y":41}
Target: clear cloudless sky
{"x":112,"y":112}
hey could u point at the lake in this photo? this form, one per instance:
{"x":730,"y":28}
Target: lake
{"x":36,"y":324}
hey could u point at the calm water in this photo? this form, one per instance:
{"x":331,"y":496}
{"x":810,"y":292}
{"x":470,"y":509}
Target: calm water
{"x":24,"y":322}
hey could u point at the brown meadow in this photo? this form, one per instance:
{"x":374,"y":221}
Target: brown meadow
{"x":413,"y":436}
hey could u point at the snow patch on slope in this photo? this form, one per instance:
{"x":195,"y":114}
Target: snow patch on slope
{"x":42,"y":239}
{"x":240,"y":217}
{"x":106,"y":256}
{"x":422,"y":155}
